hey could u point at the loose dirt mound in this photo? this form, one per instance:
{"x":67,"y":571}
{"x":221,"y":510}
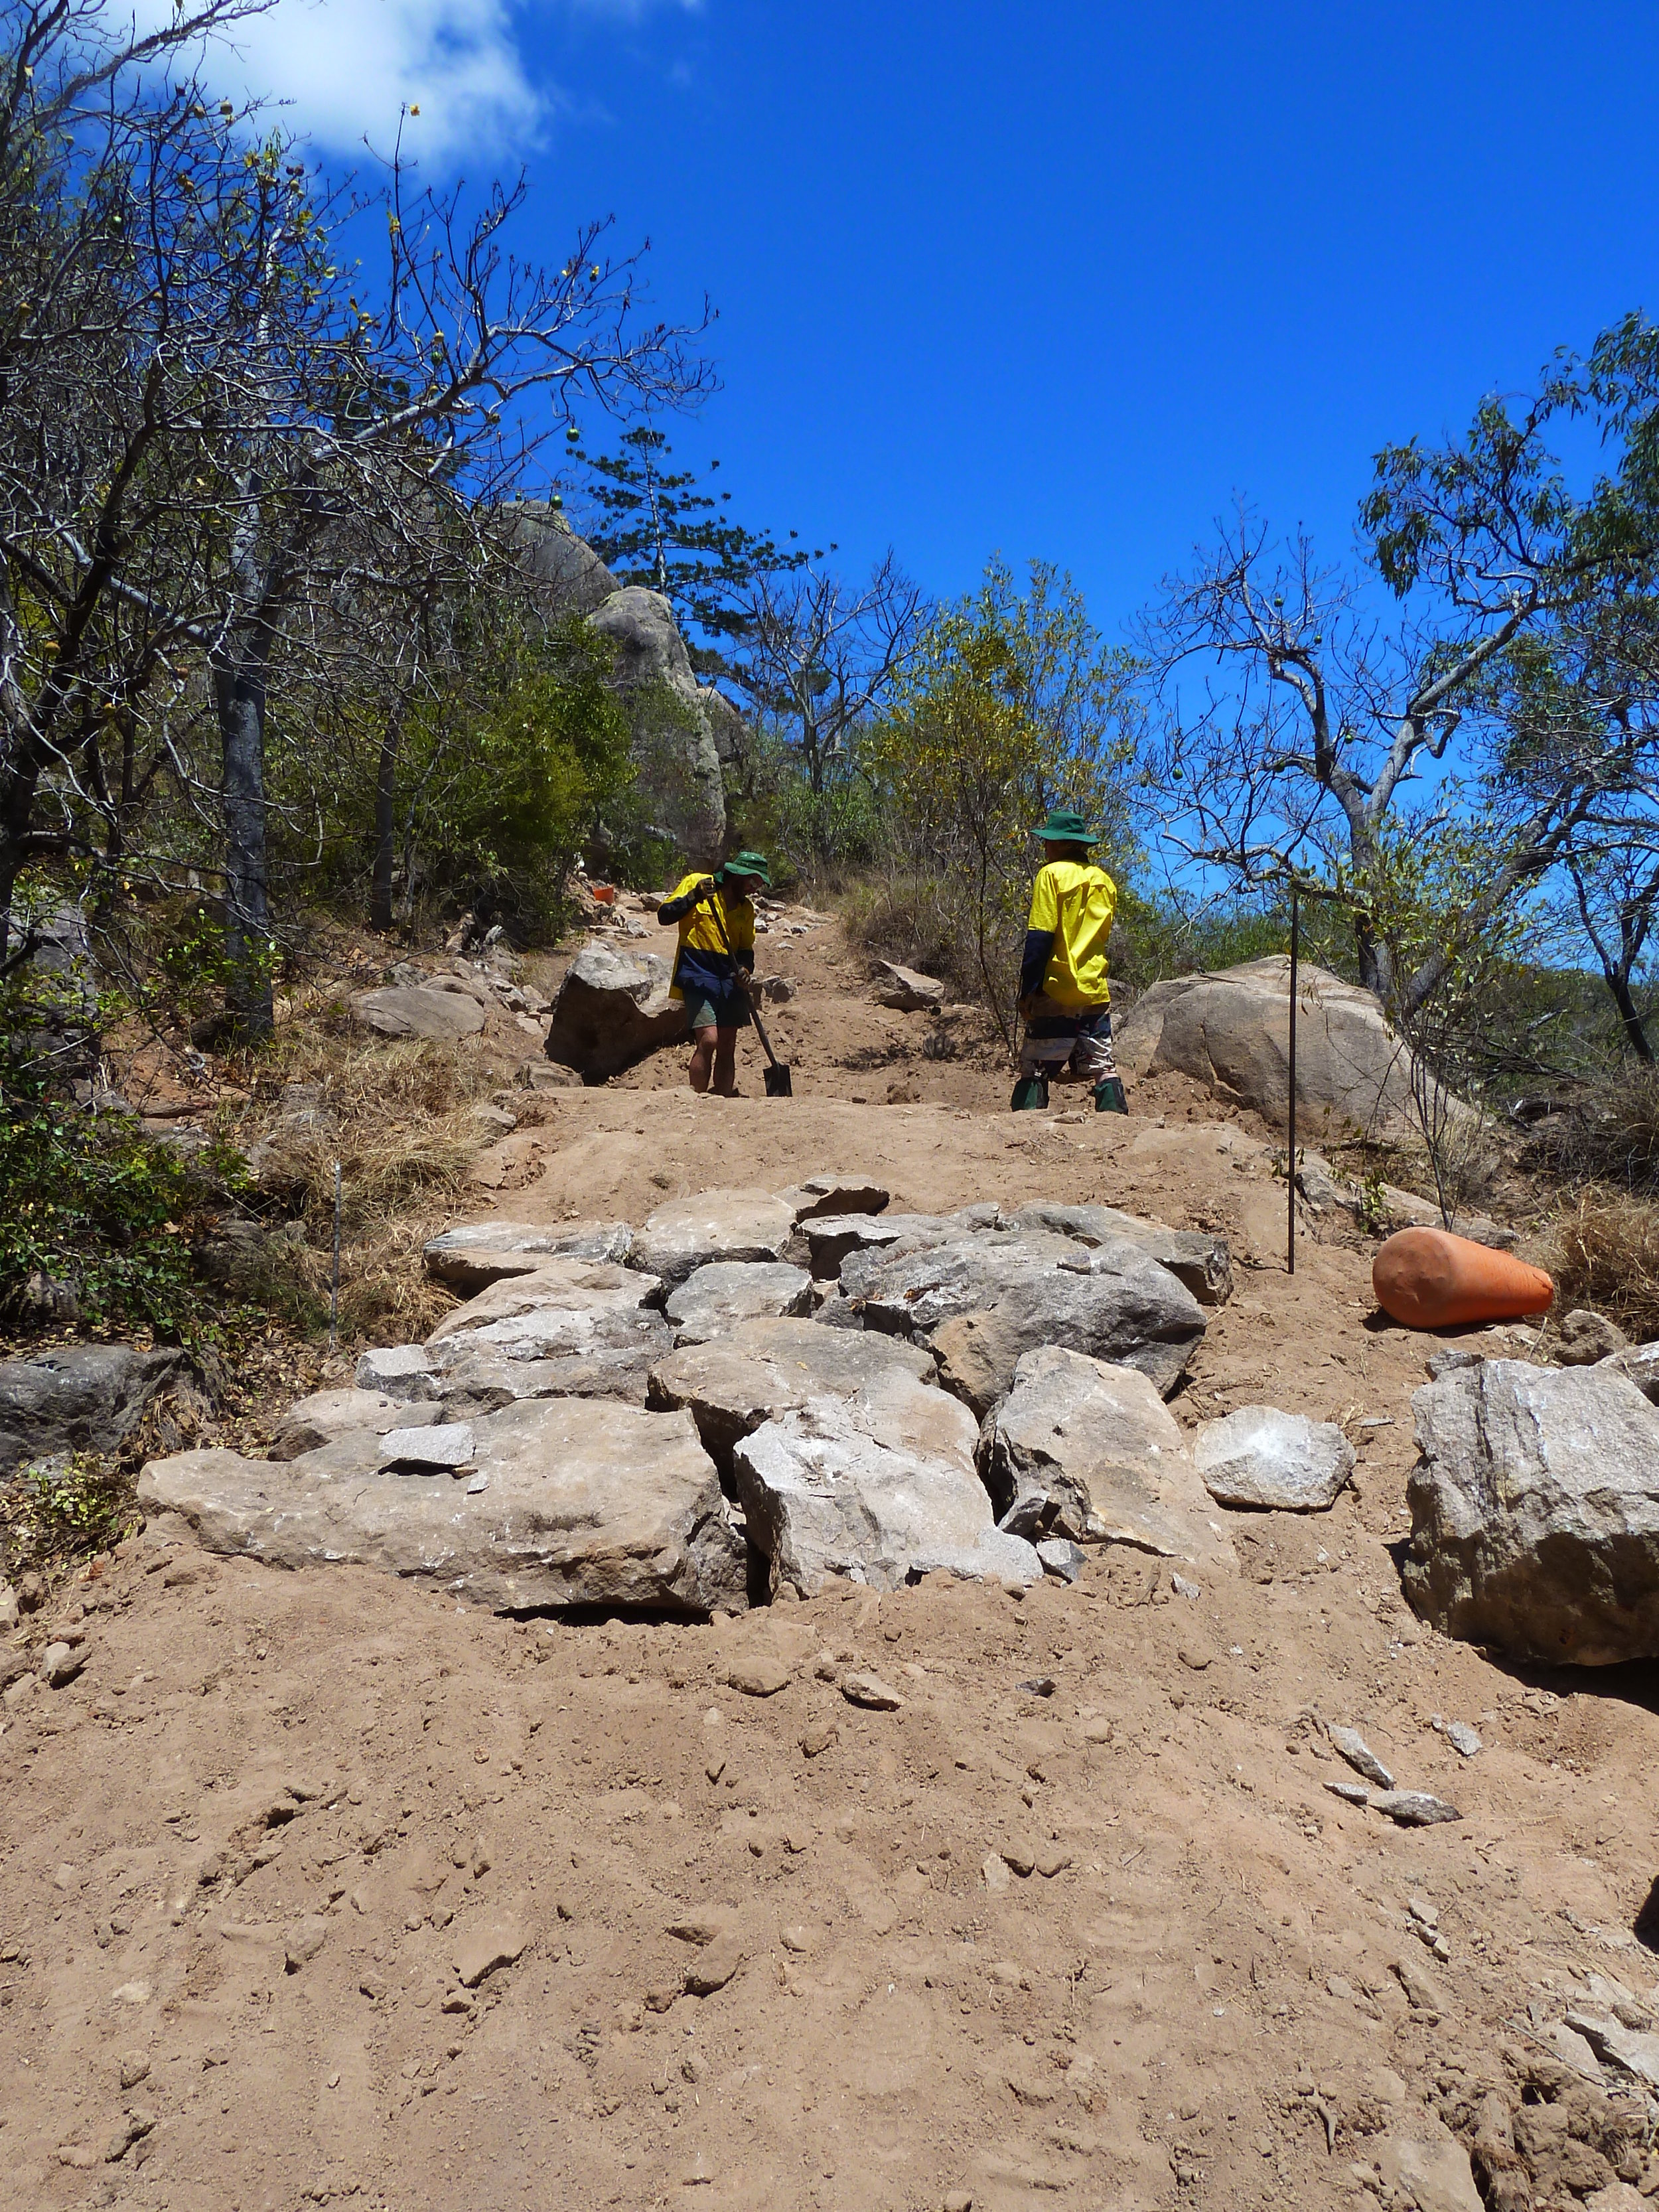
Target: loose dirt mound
{"x":316,"y":1887}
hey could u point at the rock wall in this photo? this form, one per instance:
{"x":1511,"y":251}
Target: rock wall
{"x":686,"y":735}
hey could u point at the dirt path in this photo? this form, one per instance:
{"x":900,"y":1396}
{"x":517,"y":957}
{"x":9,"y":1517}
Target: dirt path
{"x":246,"y":1851}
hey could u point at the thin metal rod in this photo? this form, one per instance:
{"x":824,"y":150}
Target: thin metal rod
{"x":1289,"y":1228}
{"x":334,"y":1280}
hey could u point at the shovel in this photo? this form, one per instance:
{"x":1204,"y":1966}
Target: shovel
{"x":779,"y":1084}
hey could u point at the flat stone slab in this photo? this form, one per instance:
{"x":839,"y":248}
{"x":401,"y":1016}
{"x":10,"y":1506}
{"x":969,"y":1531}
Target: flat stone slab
{"x":713,"y":1300}
{"x":475,"y":1253}
{"x":1535,"y":1512}
{"x":576,"y":1328}
{"x":404,"y":1371}
{"x":1196,"y":1257}
{"x":769,"y":1368}
{"x":573,"y":1501}
{"x":1085,"y":1449}
{"x":413,"y":1013}
{"x":831,"y":1239}
{"x":879,"y":1487}
{"x":906,"y":989}
{"x":1279,"y":1462}
{"x":312,"y":1422}
{"x":985,"y":1299}
{"x":689,"y":1233}
{"x":429,"y":1450}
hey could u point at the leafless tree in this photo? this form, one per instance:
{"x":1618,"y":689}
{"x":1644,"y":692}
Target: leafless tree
{"x":818,"y":655}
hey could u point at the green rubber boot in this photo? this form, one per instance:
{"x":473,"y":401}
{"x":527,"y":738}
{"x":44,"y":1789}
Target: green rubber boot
{"x":1030,"y":1095}
{"x":1109,"y":1097}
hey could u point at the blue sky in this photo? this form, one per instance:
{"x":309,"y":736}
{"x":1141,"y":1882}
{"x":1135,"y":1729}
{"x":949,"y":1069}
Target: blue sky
{"x":1053,"y":281}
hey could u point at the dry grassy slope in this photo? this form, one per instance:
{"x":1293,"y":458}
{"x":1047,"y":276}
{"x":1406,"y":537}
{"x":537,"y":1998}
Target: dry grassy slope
{"x":1159,"y":2019}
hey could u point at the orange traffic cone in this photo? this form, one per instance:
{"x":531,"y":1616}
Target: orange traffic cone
{"x":1430,"y":1280}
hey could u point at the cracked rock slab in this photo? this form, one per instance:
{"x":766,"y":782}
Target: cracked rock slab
{"x":476,"y":1254}
{"x":877,"y":1487}
{"x":574,"y":1329}
{"x":1085,"y":1449}
{"x":1196,"y":1257}
{"x":769,"y":1368}
{"x":689,"y":1233}
{"x":714,"y":1301}
{"x":585,"y":1502}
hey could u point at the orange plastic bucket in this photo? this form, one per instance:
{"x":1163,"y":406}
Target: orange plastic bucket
{"x":1429,"y":1278}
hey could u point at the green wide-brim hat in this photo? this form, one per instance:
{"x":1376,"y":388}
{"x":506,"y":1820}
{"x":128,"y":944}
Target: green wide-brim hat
{"x":749,"y":864}
{"x":1065,"y":827}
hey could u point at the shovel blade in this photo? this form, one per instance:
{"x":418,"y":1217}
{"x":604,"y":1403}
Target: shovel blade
{"x":778,"y":1083}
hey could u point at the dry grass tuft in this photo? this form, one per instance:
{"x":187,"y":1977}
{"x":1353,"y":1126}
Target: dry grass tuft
{"x":1606,"y":1257}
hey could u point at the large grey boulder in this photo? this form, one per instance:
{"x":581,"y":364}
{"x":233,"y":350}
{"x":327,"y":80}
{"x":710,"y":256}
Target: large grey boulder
{"x":1086,"y":1450}
{"x":985,"y":1299}
{"x":1276,"y":1463}
{"x":689,"y":1233}
{"x":907,"y":990}
{"x":563,"y":571}
{"x":574,"y":1329}
{"x":674,"y":736}
{"x":713,"y":1300}
{"x":1231,"y":1031}
{"x":563,"y":1502}
{"x":80,"y":1397}
{"x":475,"y":1253}
{"x":1196,"y":1257}
{"x":447,"y":1016}
{"x":879,"y":1487}
{"x":765,"y":1369}
{"x":610,"y":1010}
{"x":1535,"y":1512}
{"x":834,"y":1238}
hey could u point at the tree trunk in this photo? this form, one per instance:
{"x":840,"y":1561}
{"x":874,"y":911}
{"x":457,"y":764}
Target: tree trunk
{"x":1376,"y":960}
{"x":386,"y":826}
{"x":239,"y":698}
{"x":1635,"y":1023}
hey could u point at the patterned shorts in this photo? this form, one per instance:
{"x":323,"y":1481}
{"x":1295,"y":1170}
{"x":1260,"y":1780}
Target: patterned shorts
{"x":1057,"y":1037}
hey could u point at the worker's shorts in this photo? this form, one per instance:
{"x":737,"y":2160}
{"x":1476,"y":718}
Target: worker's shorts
{"x":1078,"y":1037}
{"x":729,"y":1011}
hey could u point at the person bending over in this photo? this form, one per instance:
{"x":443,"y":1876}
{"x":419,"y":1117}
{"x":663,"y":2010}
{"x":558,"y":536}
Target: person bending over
{"x":1064,"y":998}
{"x":715,"y":959}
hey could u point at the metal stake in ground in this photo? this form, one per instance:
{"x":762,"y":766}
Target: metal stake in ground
{"x":1290,"y":1230}
{"x":334,"y":1280}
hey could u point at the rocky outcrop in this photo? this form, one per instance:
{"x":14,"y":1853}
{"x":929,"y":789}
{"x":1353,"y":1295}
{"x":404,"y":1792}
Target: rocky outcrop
{"x":612,"y":1008}
{"x":80,"y":1397}
{"x":1231,"y":1031}
{"x":674,"y":725}
{"x":560,"y":1503}
{"x":1259,"y":1458}
{"x":1085,"y":1449}
{"x":1535,"y":1512}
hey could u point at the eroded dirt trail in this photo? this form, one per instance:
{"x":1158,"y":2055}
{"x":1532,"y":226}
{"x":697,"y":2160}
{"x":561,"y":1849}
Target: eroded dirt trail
{"x":1111,"y":1946}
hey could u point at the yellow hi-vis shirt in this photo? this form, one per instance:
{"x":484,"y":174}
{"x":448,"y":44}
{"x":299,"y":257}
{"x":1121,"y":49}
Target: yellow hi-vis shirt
{"x":1076,"y":902}
{"x":701,"y":961}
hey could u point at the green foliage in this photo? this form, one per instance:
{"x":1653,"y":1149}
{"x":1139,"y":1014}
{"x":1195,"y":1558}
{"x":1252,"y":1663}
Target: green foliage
{"x":95,"y":1210}
{"x":653,"y":525}
{"x":1012,"y":706}
{"x":55,"y":1513}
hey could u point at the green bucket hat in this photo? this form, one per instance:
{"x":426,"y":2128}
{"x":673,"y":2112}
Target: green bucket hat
{"x":1066,"y":827}
{"x":749,"y":864}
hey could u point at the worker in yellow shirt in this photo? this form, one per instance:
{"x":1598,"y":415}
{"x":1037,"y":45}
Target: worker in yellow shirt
{"x":715,"y":959}
{"x":1065,"y":1001}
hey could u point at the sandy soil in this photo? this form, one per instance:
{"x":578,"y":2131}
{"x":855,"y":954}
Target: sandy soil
{"x":245,"y":1856}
